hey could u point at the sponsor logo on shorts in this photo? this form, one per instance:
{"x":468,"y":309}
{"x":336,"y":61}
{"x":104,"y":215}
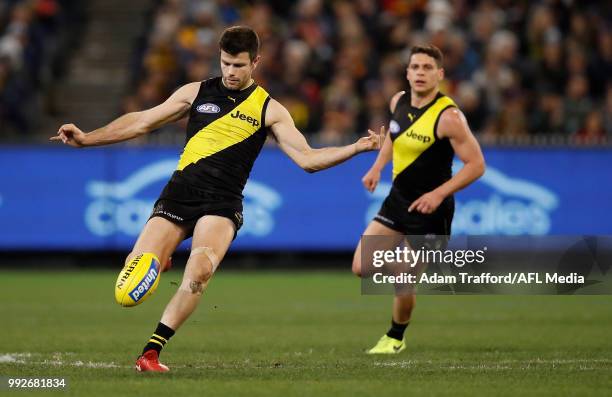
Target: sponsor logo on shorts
{"x":141,"y":289}
{"x":384,"y":219}
{"x":241,"y":116}
{"x":159,"y":211}
{"x":208,"y":108}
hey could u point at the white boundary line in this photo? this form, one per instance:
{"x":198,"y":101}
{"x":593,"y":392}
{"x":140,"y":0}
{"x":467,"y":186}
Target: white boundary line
{"x":60,"y":359}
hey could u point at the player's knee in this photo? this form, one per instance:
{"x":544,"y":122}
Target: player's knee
{"x":200,"y":269}
{"x":198,"y":272}
{"x":203,"y":263}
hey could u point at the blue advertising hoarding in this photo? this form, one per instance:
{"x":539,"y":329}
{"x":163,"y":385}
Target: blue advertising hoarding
{"x":57,"y":198}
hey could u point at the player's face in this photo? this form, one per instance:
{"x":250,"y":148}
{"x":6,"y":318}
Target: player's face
{"x":237,"y":69}
{"x":423,"y":73}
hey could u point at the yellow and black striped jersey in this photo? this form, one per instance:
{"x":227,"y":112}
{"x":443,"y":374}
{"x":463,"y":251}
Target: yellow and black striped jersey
{"x":421,"y":160}
{"x":225,"y":133}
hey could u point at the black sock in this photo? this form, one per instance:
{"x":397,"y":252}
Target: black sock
{"x":160,"y":337}
{"x":397,"y":330}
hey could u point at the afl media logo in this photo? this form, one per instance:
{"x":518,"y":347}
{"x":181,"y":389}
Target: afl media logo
{"x":208,"y":108}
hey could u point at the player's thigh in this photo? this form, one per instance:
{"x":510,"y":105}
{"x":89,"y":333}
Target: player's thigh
{"x":159,"y":236}
{"x":212,"y":237}
{"x":377,"y":237}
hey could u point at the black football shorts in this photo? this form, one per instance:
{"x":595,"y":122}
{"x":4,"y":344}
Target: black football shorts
{"x":435,"y":228}
{"x":185,"y":205}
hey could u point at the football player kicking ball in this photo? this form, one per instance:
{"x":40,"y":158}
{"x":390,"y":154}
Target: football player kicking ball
{"x":229,"y":117}
{"x":426,"y":131}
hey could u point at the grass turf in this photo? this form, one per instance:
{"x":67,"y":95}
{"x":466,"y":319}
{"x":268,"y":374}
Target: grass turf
{"x":278,"y":334}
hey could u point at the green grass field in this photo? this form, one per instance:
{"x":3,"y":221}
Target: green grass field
{"x":279,"y":334}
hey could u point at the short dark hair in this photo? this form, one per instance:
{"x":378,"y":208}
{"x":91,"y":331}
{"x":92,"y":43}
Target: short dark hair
{"x":430,"y":50}
{"x":237,"y":39}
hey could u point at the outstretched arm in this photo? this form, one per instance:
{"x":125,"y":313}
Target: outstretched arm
{"x":132,"y":125}
{"x":293,"y":143}
{"x":454,"y":126}
{"x":372,"y":177}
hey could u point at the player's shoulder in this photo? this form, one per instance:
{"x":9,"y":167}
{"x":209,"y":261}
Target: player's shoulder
{"x":193,"y":86}
{"x":187,"y":92}
{"x":273,"y":103}
{"x":211,"y":83}
{"x":451,"y":114}
{"x":275,"y":112}
{"x":452,"y":121}
{"x":190,"y":91}
{"x":395,"y":99}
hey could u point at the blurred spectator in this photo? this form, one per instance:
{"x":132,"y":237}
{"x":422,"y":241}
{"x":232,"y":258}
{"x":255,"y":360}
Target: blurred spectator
{"x":547,"y":114}
{"x":469,"y":99}
{"x":36,"y":37}
{"x":511,"y":120}
{"x":577,"y":103}
{"x":593,"y":128}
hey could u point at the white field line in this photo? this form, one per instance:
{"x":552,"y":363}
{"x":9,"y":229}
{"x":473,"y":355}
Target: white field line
{"x":56,"y":361}
{"x":14,"y":358}
{"x":60,"y":360}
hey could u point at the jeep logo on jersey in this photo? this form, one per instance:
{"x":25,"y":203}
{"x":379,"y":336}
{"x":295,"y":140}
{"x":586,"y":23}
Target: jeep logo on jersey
{"x":208,"y":108}
{"x":422,"y":138}
{"x":248,"y":119}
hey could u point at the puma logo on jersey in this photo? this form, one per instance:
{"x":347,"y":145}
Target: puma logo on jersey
{"x":232,"y":99}
{"x":248,"y":119}
{"x":421,"y":138}
{"x":411,"y":117}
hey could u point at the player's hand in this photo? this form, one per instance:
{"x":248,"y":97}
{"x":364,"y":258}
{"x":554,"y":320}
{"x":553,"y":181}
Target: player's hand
{"x":70,"y":135}
{"x":370,"y":179}
{"x":373,"y":141}
{"x":427,"y":203}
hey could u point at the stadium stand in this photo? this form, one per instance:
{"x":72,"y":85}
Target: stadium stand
{"x":36,"y":38}
{"x":526,"y":71}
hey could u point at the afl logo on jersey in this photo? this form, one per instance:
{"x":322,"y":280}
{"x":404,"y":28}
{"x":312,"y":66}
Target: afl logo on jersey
{"x":208,"y":108}
{"x":394,"y":127}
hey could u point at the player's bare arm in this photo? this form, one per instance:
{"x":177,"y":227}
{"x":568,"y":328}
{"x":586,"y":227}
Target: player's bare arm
{"x":385,"y":155}
{"x":293,"y":143}
{"x":132,"y":125}
{"x":454,"y":126}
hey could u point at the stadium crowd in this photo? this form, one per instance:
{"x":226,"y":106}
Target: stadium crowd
{"x":516,"y":68}
{"x":36,"y":37}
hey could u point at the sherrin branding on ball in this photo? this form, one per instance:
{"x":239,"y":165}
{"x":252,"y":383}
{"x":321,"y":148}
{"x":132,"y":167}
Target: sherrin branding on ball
{"x":138,"y":279}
